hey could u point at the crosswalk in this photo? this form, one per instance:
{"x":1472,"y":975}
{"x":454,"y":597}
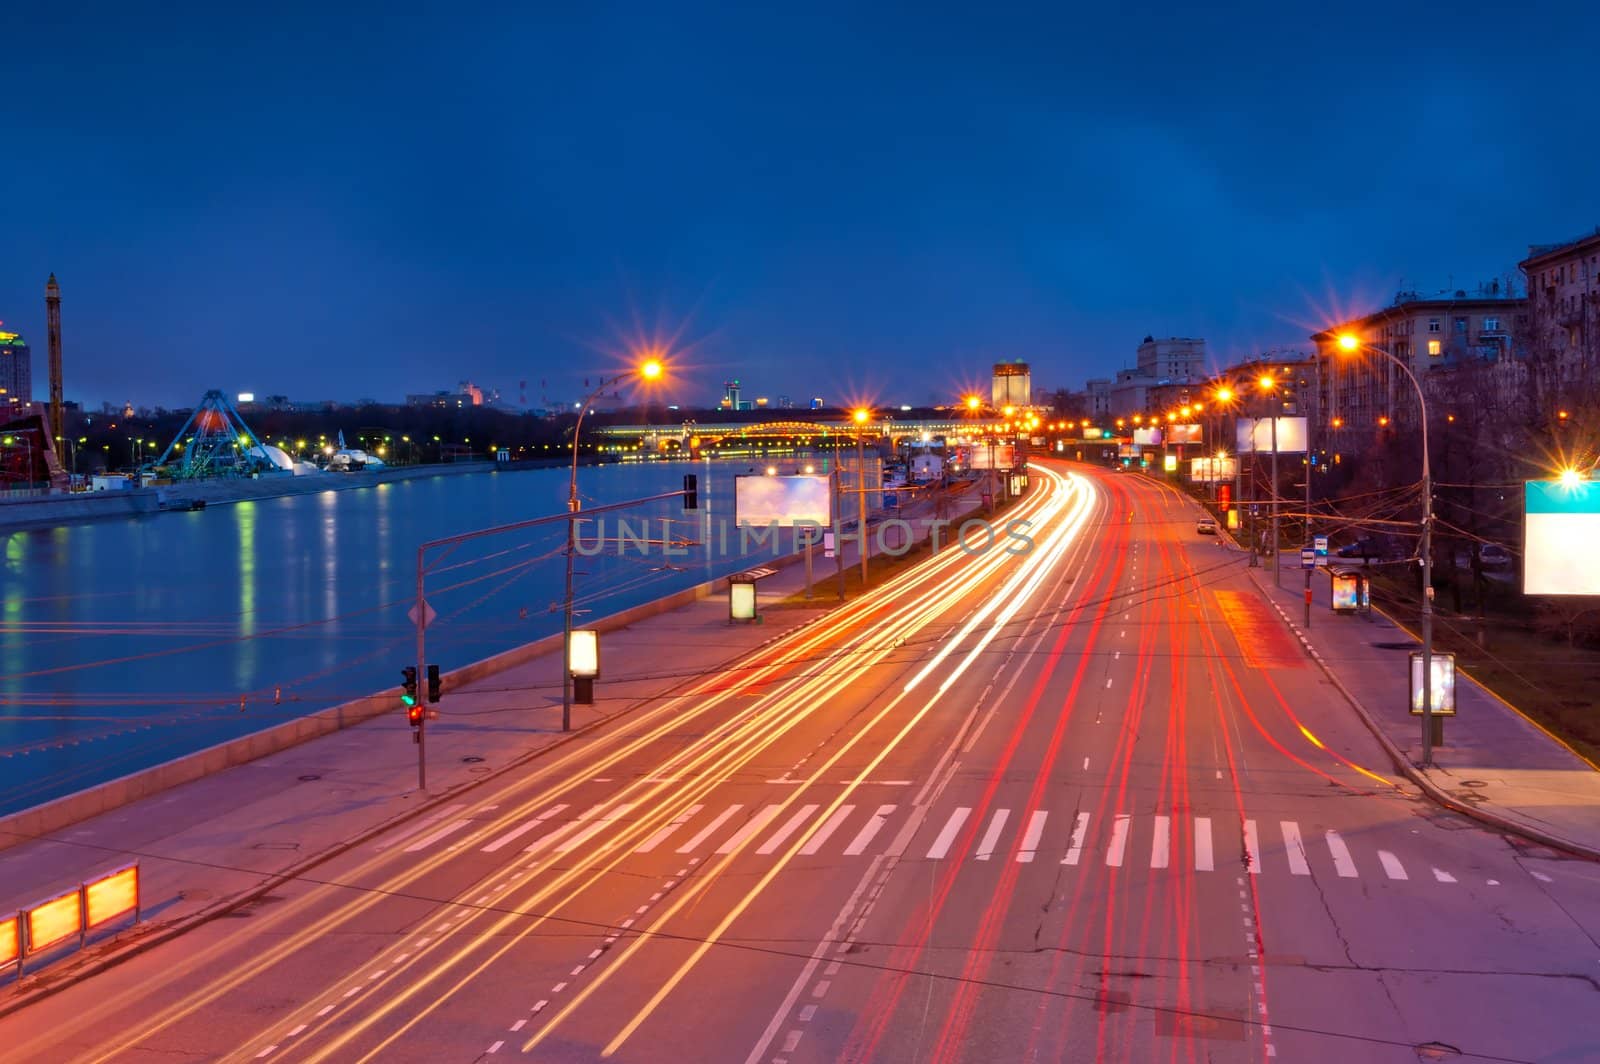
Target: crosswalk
{"x":1157,"y":843}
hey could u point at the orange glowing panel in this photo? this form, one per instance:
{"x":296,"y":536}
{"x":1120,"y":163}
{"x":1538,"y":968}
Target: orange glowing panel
{"x":111,"y":896}
{"x":54,"y":921}
{"x":10,"y":942}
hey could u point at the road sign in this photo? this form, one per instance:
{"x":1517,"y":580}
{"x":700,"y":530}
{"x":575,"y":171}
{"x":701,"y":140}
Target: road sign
{"x":427,"y":614}
{"x":1322,"y":549}
{"x":827,"y":543}
{"x":1308,"y":558}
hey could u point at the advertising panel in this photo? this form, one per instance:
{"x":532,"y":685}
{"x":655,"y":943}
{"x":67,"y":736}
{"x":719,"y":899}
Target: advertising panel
{"x":1212,"y":470}
{"x":761,"y":500}
{"x":999,"y":456}
{"x":1184,"y":434}
{"x":1561,"y":538}
{"x":1170,"y":463}
{"x":1255,"y":434}
{"x":1147,"y":437}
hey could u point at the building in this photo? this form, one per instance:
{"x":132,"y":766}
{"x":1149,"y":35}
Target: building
{"x":1097,"y":394}
{"x":1013,"y":385}
{"x":16,"y":371}
{"x":1164,"y":370}
{"x":1563,"y":336}
{"x":1434,"y":336}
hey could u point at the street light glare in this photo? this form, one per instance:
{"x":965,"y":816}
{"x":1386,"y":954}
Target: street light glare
{"x":1571,"y":478}
{"x":1348,"y":342}
{"x":972,"y":402}
{"x":651,"y":370}
{"x":1266,"y":381}
{"x":861,"y":416}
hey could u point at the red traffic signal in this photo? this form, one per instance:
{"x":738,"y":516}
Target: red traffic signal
{"x":414,"y":715}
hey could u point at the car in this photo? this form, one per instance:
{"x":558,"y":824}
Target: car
{"x":1206,"y":526}
{"x":1494,"y":556}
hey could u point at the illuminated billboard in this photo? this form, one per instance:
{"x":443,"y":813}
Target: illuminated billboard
{"x":1212,"y":470}
{"x":1147,"y":437}
{"x":1170,"y":463}
{"x":1183,"y":434}
{"x":1255,"y":434}
{"x":762,"y":500}
{"x":1560,"y":531}
{"x":994,"y":456}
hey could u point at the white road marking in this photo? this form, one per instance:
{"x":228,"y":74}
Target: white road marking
{"x":789,"y":827}
{"x":1391,"y":865}
{"x":874,"y":824}
{"x":1119,"y":840}
{"x":751,"y":826}
{"x":447,"y":811}
{"x":661,"y":836}
{"x":1161,"y":843}
{"x":561,"y":832}
{"x":1540,"y":876}
{"x":710,"y":828}
{"x":433,"y":837}
{"x":1075,"y":849}
{"x":947,"y":834}
{"x":1295,"y":847}
{"x":991,"y":834}
{"x":1108,"y":682}
{"x":265,"y":1052}
{"x":1252,"y":847}
{"x":829,"y":826}
{"x":296,"y":1031}
{"x":598,"y":825}
{"x":496,"y":1047}
{"x":1203,"y":860}
{"x":1030,"y":837}
{"x":325,"y":1010}
{"x":1341,"y":856}
{"x":1442,"y":876}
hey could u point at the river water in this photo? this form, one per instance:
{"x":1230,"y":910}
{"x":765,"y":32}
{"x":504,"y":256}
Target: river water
{"x":125,"y":643}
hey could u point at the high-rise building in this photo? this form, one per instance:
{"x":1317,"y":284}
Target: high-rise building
{"x":1013,"y":385}
{"x":16,"y":371}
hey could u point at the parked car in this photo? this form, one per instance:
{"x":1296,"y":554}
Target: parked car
{"x":1206,"y":526}
{"x":1369,"y":547}
{"x":1494,"y":556}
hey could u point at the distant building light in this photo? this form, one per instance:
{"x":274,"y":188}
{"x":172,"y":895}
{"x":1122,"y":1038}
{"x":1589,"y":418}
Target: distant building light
{"x":247,"y":397}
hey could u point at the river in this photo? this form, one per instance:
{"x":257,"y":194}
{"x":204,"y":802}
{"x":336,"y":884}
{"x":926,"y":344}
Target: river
{"x":127,"y":642}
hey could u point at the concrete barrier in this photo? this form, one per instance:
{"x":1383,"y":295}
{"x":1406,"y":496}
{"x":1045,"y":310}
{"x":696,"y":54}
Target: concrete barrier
{"x":69,"y":809}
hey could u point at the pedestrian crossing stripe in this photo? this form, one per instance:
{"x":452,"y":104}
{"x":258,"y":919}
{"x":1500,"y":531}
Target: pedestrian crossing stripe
{"x":1159,"y":842}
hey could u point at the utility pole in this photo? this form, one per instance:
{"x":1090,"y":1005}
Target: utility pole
{"x":1277,"y":567}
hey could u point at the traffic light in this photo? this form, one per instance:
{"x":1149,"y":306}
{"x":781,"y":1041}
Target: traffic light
{"x":408,"y":690}
{"x":691,"y":491}
{"x":433,"y":683}
{"x":414,"y":714}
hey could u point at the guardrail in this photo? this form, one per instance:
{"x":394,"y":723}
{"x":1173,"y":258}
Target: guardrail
{"x":90,"y":905}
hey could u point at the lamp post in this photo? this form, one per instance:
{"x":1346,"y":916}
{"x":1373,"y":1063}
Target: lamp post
{"x":1350,"y":343}
{"x":861,"y":417}
{"x":649,"y":370}
{"x":1267,"y":384}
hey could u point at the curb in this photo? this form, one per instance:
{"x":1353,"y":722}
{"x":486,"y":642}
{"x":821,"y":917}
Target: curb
{"x":1407,"y":768}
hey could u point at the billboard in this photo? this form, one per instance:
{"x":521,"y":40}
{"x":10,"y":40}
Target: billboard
{"x":1212,"y":470}
{"x":998,"y":456}
{"x":1184,"y":434}
{"x":1255,"y":434}
{"x":1169,"y":463}
{"x":1560,"y":531}
{"x":1147,"y":437}
{"x":760,"y":500}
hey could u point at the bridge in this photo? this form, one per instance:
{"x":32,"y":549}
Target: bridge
{"x":791,"y":431}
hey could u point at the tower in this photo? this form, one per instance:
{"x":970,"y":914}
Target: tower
{"x":52,"y":307}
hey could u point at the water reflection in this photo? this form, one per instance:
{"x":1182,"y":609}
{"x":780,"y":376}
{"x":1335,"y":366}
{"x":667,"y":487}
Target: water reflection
{"x":157,"y":639}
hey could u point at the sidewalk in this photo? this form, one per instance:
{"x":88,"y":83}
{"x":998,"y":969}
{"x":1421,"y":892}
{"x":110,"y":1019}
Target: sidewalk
{"x":213,"y":844}
{"x":1495,"y":764}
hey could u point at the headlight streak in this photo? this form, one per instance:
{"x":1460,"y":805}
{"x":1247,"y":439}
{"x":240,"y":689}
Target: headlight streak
{"x":700,"y":886}
{"x":660,"y":723}
{"x":787,"y":709}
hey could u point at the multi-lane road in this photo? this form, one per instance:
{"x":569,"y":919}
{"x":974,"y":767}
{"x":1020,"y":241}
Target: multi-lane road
{"x":1086,"y":801}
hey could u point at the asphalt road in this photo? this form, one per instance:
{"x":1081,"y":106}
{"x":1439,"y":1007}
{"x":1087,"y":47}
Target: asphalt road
{"x":1087,"y":802}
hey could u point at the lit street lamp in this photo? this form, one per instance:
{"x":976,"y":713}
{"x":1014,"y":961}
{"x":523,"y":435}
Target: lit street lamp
{"x":1349,"y":343}
{"x":649,"y":370}
{"x":861,"y":417}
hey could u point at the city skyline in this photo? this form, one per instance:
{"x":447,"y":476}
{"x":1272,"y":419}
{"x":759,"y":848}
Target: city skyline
{"x":836,"y":202}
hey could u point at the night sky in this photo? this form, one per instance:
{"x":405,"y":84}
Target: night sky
{"x":859,"y":203}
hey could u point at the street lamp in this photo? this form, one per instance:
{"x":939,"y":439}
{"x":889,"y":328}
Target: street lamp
{"x":861,"y":416}
{"x":1349,"y":343}
{"x":649,"y":370}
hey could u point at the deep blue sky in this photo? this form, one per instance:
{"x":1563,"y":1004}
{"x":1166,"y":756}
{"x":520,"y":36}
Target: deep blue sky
{"x":332,"y":203}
